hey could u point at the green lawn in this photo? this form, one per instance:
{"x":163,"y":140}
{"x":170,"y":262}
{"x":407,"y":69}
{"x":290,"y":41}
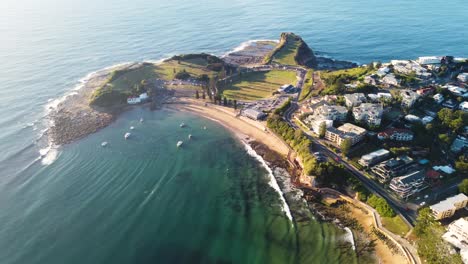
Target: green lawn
{"x":395,"y":225}
{"x":258,"y":85}
{"x":165,"y":71}
{"x":287,"y":53}
{"x":195,"y":67}
{"x":121,"y":82}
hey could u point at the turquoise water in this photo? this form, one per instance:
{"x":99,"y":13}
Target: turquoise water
{"x":144,"y":200}
{"x":92,"y":205}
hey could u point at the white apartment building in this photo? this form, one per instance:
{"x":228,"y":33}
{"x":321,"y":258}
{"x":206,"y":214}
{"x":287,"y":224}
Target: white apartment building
{"x":331,"y":112}
{"x":408,"y":98}
{"x":447,"y":207}
{"x":371,"y":114}
{"x":338,"y":135}
{"x":354,"y":99}
{"x":457,"y":235}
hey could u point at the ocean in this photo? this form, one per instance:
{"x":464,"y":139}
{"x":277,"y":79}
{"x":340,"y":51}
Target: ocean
{"x":143,"y":200}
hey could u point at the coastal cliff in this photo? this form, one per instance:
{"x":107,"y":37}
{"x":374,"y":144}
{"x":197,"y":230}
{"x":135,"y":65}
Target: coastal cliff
{"x":292,"y":50}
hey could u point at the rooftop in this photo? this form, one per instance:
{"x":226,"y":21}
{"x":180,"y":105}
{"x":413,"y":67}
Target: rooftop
{"x":409,"y":178}
{"x":375,"y":154}
{"x":448,"y":203}
{"x":350,"y":128}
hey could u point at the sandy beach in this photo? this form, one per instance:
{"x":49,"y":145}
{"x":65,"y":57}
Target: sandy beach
{"x":242,"y":127}
{"x":365,"y":219}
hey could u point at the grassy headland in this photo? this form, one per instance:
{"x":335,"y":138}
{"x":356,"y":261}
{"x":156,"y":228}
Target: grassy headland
{"x":257,"y":85}
{"x":130,"y":81}
{"x":291,"y":50}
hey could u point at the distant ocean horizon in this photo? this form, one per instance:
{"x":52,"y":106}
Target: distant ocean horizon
{"x":83,"y":203}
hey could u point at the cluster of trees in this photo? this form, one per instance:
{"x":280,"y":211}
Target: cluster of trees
{"x":280,"y":110}
{"x":463,"y":186}
{"x":217,"y":99}
{"x":431,"y":247}
{"x":400,"y":151}
{"x":296,"y":139}
{"x":336,"y":80}
{"x":453,"y":120}
{"x":381,"y":205}
{"x":345,"y":146}
{"x":182,"y":75}
{"x":462,"y":165}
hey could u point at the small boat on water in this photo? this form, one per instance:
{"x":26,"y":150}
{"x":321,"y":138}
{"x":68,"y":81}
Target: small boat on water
{"x":204,"y":128}
{"x":141,"y":120}
{"x":190,"y":136}
{"x":182,"y":125}
{"x":131,"y":128}
{"x":127,"y":135}
{"x":180,"y":143}
{"x":104,"y":144}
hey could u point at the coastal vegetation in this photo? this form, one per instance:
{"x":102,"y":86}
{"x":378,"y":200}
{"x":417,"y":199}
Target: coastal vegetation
{"x":257,"y":85}
{"x":431,"y":247}
{"x":296,"y":139}
{"x":308,"y":85}
{"x":126,"y":82}
{"x":335,"y":80}
{"x":463,"y":186}
{"x":381,"y":205}
{"x":291,"y":50}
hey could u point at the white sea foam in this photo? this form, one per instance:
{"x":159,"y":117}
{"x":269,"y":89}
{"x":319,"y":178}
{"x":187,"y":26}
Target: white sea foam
{"x":273,"y":183}
{"x":247,"y":44}
{"x":49,"y":154}
{"x":349,"y":237}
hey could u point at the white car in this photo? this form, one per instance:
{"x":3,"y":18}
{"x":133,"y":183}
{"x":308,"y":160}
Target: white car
{"x":422,"y":204}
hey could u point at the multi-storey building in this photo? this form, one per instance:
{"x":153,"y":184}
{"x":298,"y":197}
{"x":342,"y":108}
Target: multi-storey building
{"x":346,"y":131}
{"x":374,"y":157}
{"x":393,"y":167}
{"x":396,"y":134}
{"x":405,"y":186}
{"x":408,"y":98}
{"x":331,"y":112}
{"x":370,"y":114}
{"x":448,"y":207}
{"x":354,"y":99}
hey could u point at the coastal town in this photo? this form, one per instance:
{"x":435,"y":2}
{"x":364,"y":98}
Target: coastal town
{"x":387,"y":138}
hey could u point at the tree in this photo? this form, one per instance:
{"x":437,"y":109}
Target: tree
{"x":203,"y":95}
{"x":235,"y":104}
{"x":463,"y":186}
{"x":444,"y":138}
{"x":225,"y":101}
{"x":462,"y":165}
{"x":381,"y":205}
{"x":197,"y":95}
{"x":322,"y":130}
{"x":346,"y":146}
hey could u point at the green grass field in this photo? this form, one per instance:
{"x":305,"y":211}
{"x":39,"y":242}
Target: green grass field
{"x":121,"y":83}
{"x":286,"y":54}
{"x":395,"y":225}
{"x":259,"y":85}
{"x":165,"y":71}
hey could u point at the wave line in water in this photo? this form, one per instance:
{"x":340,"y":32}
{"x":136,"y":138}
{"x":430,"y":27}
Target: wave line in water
{"x":273,"y":183}
{"x":247,"y":44}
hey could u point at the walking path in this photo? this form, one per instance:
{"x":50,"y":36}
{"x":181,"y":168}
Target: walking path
{"x":405,"y":247}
